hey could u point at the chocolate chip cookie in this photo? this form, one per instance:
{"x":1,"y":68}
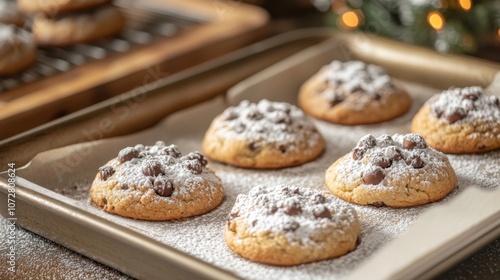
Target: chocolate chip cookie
{"x":156,"y":183}
{"x":460,"y":121}
{"x":286,"y":225}
{"x":17,"y":49}
{"x":397,"y":171}
{"x":263,"y":135}
{"x":353,"y":93}
{"x":78,"y":27}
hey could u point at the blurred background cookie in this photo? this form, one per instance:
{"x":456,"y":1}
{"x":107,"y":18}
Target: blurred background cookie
{"x":9,"y":14}
{"x":17,"y":49}
{"x":78,"y":27}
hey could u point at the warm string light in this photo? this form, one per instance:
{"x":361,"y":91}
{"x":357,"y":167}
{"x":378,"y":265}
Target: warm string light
{"x":465,"y":4}
{"x":436,"y":20}
{"x":351,"y":19}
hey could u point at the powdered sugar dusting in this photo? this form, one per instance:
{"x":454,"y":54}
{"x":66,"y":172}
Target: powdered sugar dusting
{"x":392,"y":157}
{"x":345,"y":78}
{"x":467,"y":105}
{"x":276,"y":123}
{"x":296,"y":213}
{"x":186,"y":173}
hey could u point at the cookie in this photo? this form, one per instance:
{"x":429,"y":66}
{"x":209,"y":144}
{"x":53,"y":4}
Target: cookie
{"x":156,"y":183}
{"x":353,"y":93}
{"x":53,"y":7}
{"x":9,"y":14}
{"x":285,"y":225}
{"x":81,"y":27}
{"x":263,"y":135}
{"x":397,"y":171}
{"x":17,"y":49}
{"x":460,"y":121}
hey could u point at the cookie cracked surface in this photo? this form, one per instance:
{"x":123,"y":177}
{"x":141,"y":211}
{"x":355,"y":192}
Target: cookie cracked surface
{"x":263,"y":135}
{"x":286,"y":225}
{"x":460,"y":121}
{"x":397,"y":171}
{"x":353,"y":93}
{"x":156,"y":183}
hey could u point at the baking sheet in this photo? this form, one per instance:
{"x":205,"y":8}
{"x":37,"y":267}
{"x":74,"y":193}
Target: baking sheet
{"x":69,"y":172}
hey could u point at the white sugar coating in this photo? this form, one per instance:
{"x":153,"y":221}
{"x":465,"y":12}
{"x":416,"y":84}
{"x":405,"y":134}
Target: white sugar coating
{"x":354,"y":75}
{"x":265,"y":208}
{"x":470,"y":101}
{"x":387,"y":147}
{"x":10,"y":34}
{"x":174,"y":168}
{"x":277,"y":123}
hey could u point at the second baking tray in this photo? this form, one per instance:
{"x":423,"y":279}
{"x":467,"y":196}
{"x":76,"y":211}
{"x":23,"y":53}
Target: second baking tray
{"x":70,"y":170}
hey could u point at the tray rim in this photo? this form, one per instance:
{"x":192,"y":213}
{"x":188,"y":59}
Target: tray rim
{"x":40,"y":201}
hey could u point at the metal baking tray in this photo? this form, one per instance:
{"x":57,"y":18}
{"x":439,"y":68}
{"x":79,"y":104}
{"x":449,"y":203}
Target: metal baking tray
{"x":40,"y":209}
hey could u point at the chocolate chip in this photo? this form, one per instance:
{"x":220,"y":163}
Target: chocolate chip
{"x":293,"y":209}
{"x":394,"y":153}
{"x":437,"y":112}
{"x":494,"y":100}
{"x":128,"y":154}
{"x":163,"y":187}
{"x":376,"y":96}
{"x":125,"y":187}
{"x":378,"y":204}
{"x":273,"y":209}
{"x":319,"y":199}
{"x":252,"y":146}
{"x":254,"y":222}
{"x":151,"y":168}
{"x":415,"y":161}
{"x":197,"y":156}
{"x":106,"y":172}
{"x":367,"y":141}
{"x":231,"y":217}
{"x":239,"y":128}
{"x":254,"y":114}
{"x":194,"y":166}
{"x":334,"y":100}
{"x":172,"y":150}
{"x":381,"y":161}
{"x":322,"y":213}
{"x":291,"y":226}
{"x":455,"y":115}
{"x":472,"y":97}
{"x":373,"y":176}
{"x":414,"y":141}
{"x":230,"y":115}
{"x":280,"y":117}
{"x":282,"y":148}
{"x":357,"y":153}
